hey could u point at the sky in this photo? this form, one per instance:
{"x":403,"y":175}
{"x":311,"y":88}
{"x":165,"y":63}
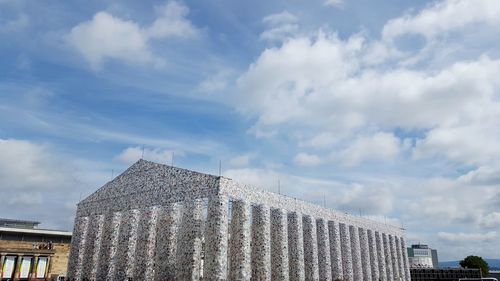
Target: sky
{"x":384,"y":109}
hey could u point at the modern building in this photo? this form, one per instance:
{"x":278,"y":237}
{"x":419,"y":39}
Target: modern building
{"x":421,"y":256}
{"x":445,"y":274}
{"x":30,"y":253}
{"x":157,"y":222}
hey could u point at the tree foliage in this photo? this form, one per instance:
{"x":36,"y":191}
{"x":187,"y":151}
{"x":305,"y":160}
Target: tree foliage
{"x":476,"y":262}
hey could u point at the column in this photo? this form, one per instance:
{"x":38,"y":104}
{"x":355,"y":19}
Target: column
{"x":388,"y":257}
{"x":395,"y":266}
{"x":279,"y":245}
{"x":399,"y":255}
{"x":261,"y":243}
{"x":189,"y":242}
{"x":17,"y":267}
{"x":365,"y":255}
{"x":356,"y":253}
{"x":34,"y":265}
{"x":166,"y":241}
{"x":146,"y":240}
{"x":215,"y":266}
{"x":405,"y":260}
{"x":310,"y":248}
{"x":325,"y":264}
{"x":372,"y":246}
{"x":109,"y":244}
{"x":49,"y":266}
{"x":335,"y":251}
{"x":239,"y":260}
{"x":92,"y":249}
{"x":345,"y":242}
{"x":382,"y":268}
{"x":2,"y":260}
{"x":295,"y":247}
{"x":77,"y":248}
{"x":127,"y":240}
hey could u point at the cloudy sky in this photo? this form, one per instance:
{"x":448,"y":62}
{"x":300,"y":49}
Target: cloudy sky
{"x":387,"y":109}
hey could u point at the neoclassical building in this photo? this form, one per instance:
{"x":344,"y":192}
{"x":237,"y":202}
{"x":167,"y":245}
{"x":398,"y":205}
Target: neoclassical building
{"x":157,"y":222}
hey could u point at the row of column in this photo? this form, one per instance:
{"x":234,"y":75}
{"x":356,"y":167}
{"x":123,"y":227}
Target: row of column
{"x":34,"y":270}
{"x":169,"y":243}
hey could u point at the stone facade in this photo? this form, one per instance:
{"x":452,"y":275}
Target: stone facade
{"x":156,"y":222}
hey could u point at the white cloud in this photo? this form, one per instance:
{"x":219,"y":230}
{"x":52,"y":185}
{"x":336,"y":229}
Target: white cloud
{"x":334,"y":3}
{"x":444,"y":16}
{"x":109,"y":37}
{"x":31,"y":198}
{"x":305,"y":159}
{"x":353,"y":197}
{"x":483,"y":175}
{"x":380,"y":146}
{"x":323,"y":140}
{"x":29,"y":166}
{"x":367,"y":200}
{"x":321,"y":84}
{"x":475,"y":238}
{"x":106,"y":36}
{"x":131,"y":155}
{"x":241,"y":160}
{"x":171,"y":22}
{"x":38,"y":176}
{"x":280,"y":26}
{"x":491,"y":220}
{"x":21,"y":22}
{"x":413,"y":129}
{"x":216,"y":83}
{"x":280,"y":18}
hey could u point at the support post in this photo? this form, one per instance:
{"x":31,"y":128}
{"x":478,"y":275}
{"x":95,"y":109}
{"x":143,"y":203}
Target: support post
{"x":365,"y":255}
{"x":34,"y":265}
{"x":405,"y":260}
{"x":166,"y":241}
{"x":189,"y":243}
{"x":399,"y":254}
{"x":310,"y":248}
{"x":109,"y":243}
{"x":295,"y":247}
{"x":146,"y":240}
{"x":126,"y":245}
{"x":388,"y":257}
{"x":77,"y":249}
{"x":2,"y":260}
{"x":345,"y":241}
{"x":382,"y":268}
{"x":17,"y":267}
{"x":324,"y":261}
{"x":215,"y":267}
{"x":395,"y":264}
{"x":373,"y":251}
{"x":356,"y":253}
{"x":48,"y":267}
{"x":93,"y":248}
{"x":335,"y":250}
{"x":239,"y":260}
{"x":261,"y":243}
{"x":279,"y":245}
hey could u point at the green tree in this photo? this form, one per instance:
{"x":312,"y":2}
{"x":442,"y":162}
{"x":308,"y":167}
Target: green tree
{"x":476,"y":262}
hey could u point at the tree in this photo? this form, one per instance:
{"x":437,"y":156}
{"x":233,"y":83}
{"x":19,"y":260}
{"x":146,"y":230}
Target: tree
{"x":476,"y":262}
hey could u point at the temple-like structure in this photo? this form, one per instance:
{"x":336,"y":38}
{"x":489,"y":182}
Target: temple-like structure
{"x":157,"y":222}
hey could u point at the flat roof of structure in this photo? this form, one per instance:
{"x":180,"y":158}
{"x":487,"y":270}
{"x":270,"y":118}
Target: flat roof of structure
{"x":18,"y":221}
{"x":36,"y":231}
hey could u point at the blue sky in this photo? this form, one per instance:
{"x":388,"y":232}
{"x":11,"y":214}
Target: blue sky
{"x":387,"y":109}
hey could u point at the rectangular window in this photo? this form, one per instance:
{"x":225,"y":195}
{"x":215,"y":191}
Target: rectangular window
{"x":24,"y":271}
{"x":40,"y":268}
{"x":8,"y":267}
